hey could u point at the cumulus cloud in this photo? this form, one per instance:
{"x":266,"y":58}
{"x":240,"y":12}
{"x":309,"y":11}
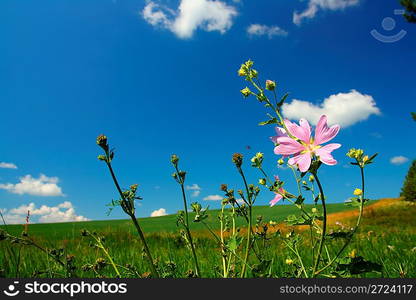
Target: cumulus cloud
{"x":264,"y":30}
{"x":4,"y":165}
{"x":213,"y":198}
{"x":315,"y":5}
{"x":159,"y":212}
{"x":191,"y":15}
{"x":63,"y":212}
{"x":196,"y":189}
{"x":344,"y":109}
{"x":42,"y":186}
{"x":399,"y":160}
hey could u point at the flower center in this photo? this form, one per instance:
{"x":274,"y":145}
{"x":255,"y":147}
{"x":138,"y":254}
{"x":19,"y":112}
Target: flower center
{"x":310,"y":147}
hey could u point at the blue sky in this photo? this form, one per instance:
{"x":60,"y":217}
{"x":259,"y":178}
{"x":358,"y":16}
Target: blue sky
{"x":159,"y":77}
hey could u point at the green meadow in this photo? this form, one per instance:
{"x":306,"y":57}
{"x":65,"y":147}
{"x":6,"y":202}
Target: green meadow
{"x":386,"y":237}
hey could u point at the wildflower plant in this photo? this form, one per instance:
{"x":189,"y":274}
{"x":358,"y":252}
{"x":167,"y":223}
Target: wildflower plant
{"x":183,"y":218}
{"x":305,"y":153}
{"x":127,"y":198}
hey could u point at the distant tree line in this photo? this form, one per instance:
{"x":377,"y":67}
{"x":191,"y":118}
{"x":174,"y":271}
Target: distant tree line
{"x":409,"y":186}
{"x":410,"y":7}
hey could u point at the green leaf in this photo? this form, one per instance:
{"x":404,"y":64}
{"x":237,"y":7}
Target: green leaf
{"x":339,"y":235}
{"x":293,"y":220}
{"x":282,"y":100}
{"x":261,"y":269}
{"x":233,"y":243}
{"x":271,"y":121}
{"x":358,"y":265}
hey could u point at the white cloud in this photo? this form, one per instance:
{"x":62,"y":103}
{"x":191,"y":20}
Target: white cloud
{"x":159,"y":212}
{"x":269,"y":31}
{"x":315,"y":5}
{"x":213,"y":198}
{"x":42,"y":186}
{"x":344,"y":109}
{"x":191,"y":15}
{"x":4,"y":165}
{"x":195,"y":188}
{"x":399,"y":160}
{"x":63,"y":212}
{"x":240,"y":201}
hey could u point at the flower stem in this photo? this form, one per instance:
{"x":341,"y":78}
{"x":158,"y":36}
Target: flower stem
{"x":101,"y":246}
{"x":188,"y":232}
{"x":135,"y":222}
{"x":248,"y":246}
{"x":223,"y":254}
{"x":323,"y":231}
{"x":347,"y":242}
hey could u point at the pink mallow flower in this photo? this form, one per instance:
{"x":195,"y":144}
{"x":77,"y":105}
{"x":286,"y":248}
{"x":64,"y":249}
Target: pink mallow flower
{"x":280,"y":132}
{"x":306,"y":147}
{"x":279,"y":195}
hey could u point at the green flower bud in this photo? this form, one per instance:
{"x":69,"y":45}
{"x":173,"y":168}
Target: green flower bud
{"x":270,"y":85}
{"x":182,"y":175}
{"x":237,"y":159}
{"x":174,"y":159}
{"x":280,"y":161}
{"x":311,"y":178}
{"x":242,"y":71}
{"x":102,"y":157}
{"x":254,"y":73}
{"x":223,"y":187}
{"x":262,"y":181}
{"x":133,"y":187}
{"x":249,"y":63}
{"x":246,"y":92}
{"x":102,"y":141}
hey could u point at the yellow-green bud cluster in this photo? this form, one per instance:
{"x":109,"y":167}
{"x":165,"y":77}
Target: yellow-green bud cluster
{"x":355,"y":153}
{"x":246,"y":92}
{"x":257,"y":160}
{"x":247,"y":71}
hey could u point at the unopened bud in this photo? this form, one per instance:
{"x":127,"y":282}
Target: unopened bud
{"x":246,"y":92}
{"x":102,"y":141}
{"x":174,"y":159}
{"x":270,"y":85}
{"x":237,"y":159}
{"x":262,"y":181}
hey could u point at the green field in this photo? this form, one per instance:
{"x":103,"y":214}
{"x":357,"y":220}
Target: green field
{"x":165,"y":224}
{"x":387,"y":237}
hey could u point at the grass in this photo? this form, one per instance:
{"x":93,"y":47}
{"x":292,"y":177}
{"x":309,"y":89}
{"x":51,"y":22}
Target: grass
{"x":387,"y":237}
{"x":164,"y":224}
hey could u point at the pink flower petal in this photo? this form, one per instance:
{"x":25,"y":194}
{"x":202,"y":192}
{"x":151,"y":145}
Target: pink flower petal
{"x":303,"y":161}
{"x":306,"y":127}
{"x":280,"y":132}
{"x":301,"y":132}
{"x":324,"y":154}
{"x":276,"y":199}
{"x":323,"y":133}
{"x":287,"y":146}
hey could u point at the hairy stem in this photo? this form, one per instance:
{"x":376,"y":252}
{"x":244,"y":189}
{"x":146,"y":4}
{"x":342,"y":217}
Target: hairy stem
{"x":135,"y":222}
